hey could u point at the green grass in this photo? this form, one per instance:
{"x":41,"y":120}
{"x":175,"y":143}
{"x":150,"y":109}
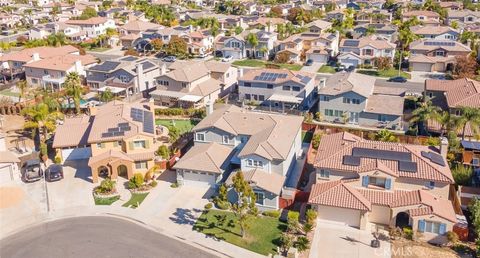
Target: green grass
{"x":8,"y":92}
{"x":261,"y":237}
{"x":385,"y":73}
{"x":135,"y":200}
{"x":307,"y":136}
{"x":99,"y":49}
{"x":326,"y":69}
{"x":184,"y":126}
{"x":106,"y":201}
{"x":262,"y":64}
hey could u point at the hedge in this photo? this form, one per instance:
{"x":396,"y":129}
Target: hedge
{"x":190,"y":112}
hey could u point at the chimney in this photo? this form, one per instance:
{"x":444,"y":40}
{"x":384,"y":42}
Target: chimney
{"x":240,"y":72}
{"x":444,"y":147}
{"x":92,"y":110}
{"x":140,"y":79}
{"x":163,"y":69}
{"x":36,"y":56}
{"x":78,"y":66}
{"x":151,"y":104}
{"x":209,"y":107}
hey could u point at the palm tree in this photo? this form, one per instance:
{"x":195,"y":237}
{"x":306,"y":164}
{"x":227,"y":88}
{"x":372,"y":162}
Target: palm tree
{"x":22,"y":86}
{"x":106,"y":95}
{"x":385,"y":135}
{"x":264,"y":51}
{"x":253,"y":41}
{"x":73,"y":89}
{"x":423,"y":113}
{"x":470,"y":116}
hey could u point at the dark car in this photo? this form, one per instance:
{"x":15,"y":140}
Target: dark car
{"x":169,"y":59}
{"x":54,"y":173}
{"x":397,"y":79}
{"x":309,"y":62}
{"x":32,"y":171}
{"x":350,"y":68}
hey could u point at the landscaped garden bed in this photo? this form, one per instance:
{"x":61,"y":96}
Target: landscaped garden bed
{"x":136,"y":200}
{"x":105,"y":200}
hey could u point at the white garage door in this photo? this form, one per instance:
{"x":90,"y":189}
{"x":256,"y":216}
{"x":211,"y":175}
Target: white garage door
{"x":345,"y":216}
{"x":379,"y":215}
{"x":198,"y":179}
{"x":347,"y":62}
{"x":76,"y":153}
{"x":421,"y":67}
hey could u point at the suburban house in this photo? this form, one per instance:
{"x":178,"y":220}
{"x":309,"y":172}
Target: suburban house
{"x":454,"y":6}
{"x":263,"y":146}
{"x":353,"y":98}
{"x":137,"y":27}
{"x":234,"y":46}
{"x":471,"y":153}
{"x":318,"y":26}
{"x":93,"y":27}
{"x":278,"y":89}
{"x":463,"y":17}
{"x":194,"y":84}
{"x":124,"y":76}
{"x":297,"y":45}
{"x":199,"y":43}
{"x":117,"y":138}
{"x":372,"y":16}
{"x":387,"y":31}
{"x":362,"y":183}
{"x":435,"y":55}
{"x":51,"y":73}
{"x":266,"y":41}
{"x":436,"y":32}
{"x":363,"y":51}
{"x":451,"y":96}
{"x":13,"y":62}
{"x":72,"y":32}
{"x":426,"y":17}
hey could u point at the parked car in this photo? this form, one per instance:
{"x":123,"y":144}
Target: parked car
{"x":218,"y":53}
{"x":202,"y":55}
{"x":341,"y":68}
{"x":54,"y":173}
{"x":32,"y":171}
{"x":397,"y":79}
{"x":350,"y":68}
{"x":227,"y":59}
{"x":309,"y":62}
{"x":169,"y":59}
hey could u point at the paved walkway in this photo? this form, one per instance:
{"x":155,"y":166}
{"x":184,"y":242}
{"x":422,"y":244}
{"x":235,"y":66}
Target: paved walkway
{"x":313,"y":68}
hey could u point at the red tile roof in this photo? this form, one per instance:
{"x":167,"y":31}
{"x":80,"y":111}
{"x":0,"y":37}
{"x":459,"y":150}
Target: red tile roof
{"x":338,"y":194}
{"x":461,"y":92}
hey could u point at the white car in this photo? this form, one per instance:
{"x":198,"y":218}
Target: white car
{"x":227,"y":59}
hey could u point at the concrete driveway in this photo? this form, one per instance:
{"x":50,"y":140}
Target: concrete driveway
{"x":340,"y":241}
{"x":313,"y":68}
{"x":422,"y":76}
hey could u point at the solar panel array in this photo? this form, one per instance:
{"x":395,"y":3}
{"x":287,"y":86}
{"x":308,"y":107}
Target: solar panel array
{"x":407,"y":166}
{"x":136,"y":114}
{"x":106,"y":66}
{"x":117,"y":131}
{"x":351,"y":160}
{"x":148,"y":122}
{"x":303,"y":79}
{"x":434,"y":157}
{"x":351,"y":43}
{"x":439,"y":43}
{"x":129,"y":58}
{"x":270,"y":77}
{"x":404,"y":159}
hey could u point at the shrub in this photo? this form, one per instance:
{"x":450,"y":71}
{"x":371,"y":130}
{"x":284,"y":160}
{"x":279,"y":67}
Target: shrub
{"x":58,"y":160}
{"x":106,"y":186}
{"x":293,"y":216}
{"x":316,"y":140}
{"x":433,"y":141}
{"x":208,"y":206}
{"x":153,"y":183}
{"x":163,"y":152}
{"x":222,"y":205}
{"x":136,"y":181}
{"x":408,"y":233}
{"x":272,"y":213}
{"x":452,"y":237}
{"x":462,"y":174}
{"x":311,"y":216}
{"x":302,"y":244}
{"x":131,"y":185}
{"x":174,"y":185}
{"x":307,"y":228}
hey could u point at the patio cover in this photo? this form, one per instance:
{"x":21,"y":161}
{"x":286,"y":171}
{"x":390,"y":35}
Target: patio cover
{"x":285,"y":98}
{"x":190,"y":98}
{"x":112,"y":89}
{"x":167,"y":93}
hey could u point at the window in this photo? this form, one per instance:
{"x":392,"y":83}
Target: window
{"x":45,"y":72}
{"x":249,"y":162}
{"x":356,"y":101}
{"x":100,"y":145}
{"x":164,"y":83}
{"x":324,"y":173}
{"x":376,"y":181}
{"x":432,"y":227}
{"x":269,"y":86}
{"x":248,"y":96}
{"x":382,"y":118}
{"x":286,"y":88}
{"x":184,"y":84}
{"x":430,"y":185}
{"x":34,"y":81}
{"x":439,"y":53}
{"x":346,"y":100}
{"x":325,"y":98}
{"x":247,"y":84}
{"x":139,"y":144}
{"x":117,"y":143}
{"x":476,"y":162}
{"x":259,"y":198}
{"x":123,"y":78}
{"x":295,"y":88}
{"x":200,"y":137}
{"x":329,"y":112}
{"x":261,"y":97}
{"x":254,"y":163}
{"x":430,"y":94}
{"x":458,"y":113}
{"x":225,"y":139}
{"x":338,"y":113}
{"x":141,"y":165}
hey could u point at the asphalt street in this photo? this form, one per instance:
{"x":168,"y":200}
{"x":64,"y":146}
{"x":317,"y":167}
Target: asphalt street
{"x":93,"y":237}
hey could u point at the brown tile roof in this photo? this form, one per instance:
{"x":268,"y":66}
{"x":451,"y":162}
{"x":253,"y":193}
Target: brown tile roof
{"x":91,"y":21}
{"x":419,"y":58}
{"x":73,"y":132}
{"x":385,"y":104}
{"x":63,"y":62}
{"x":338,"y":194}
{"x":138,"y":25}
{"x":25,"y":55}
{"x":270,"y":182}
{"x":342,"y":82}
{"x":432,"y":30}
{"x":461,"y":92}
{"x":420,"y":13}
{"x":334,"y":147}
{"x":208,"y":157}
{"x":291,"y":75}
{"x":111,"y":155}
{"x":141,"y":156}
{"x":432,"y":44}
{"x":373,"y":41}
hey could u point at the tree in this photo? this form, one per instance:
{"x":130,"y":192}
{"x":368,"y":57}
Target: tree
{"x":348,"y":18}
{"x":177,"y":47}
{"x":282,"y":57}
{"x":22,"y":87}
{"x":253,"y":41}
{"x":385,"y":135}
{"x":238,"y":30}
{"x":245,"y":207}
{"x":88,"y":13}
{"x":157,"y":44}
{"x":136,"y":181}
{"x":73,"y":89}
{"x":370,"y":31}
{"x":470,"y":116}
{"x":462,"y":174}
{"x":465,"y":67}
{"x":163,"y":152}
{"x":276,"y":11}
{"x":422,"y":114}
{"x":383,"y":63}
{"x":106,"y":95}
{"x":454,"y":25}
{"x":130,"y":52}
{"x":55,"y":11}
{"x":311,"y":216}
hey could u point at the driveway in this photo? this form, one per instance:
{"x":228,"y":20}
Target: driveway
{"x":313,"y":68}
{"x":340,"y":241}
{"x":422,"y":76}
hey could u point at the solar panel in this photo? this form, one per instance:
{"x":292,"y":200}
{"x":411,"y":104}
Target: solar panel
{"x":381,"y":154}
{"x":471,"y":145}
{"x":111,"y":130}
{"x":147,"y":65}
{"x":136,"y":114}
{"x":350,"y":43}
{"x":351,"y":160}
{"x":434,"y":157}
{"x":305,"y":79}
{"x":118,"y":133}
{"x":148,"y":122}
{"x":129,"y":58}
{"x":106,"y":135}
{"x":407,"y":166}
{"x":123,"y":124}
{"x":106,"y":66}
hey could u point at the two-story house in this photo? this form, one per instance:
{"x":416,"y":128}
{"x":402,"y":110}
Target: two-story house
{"x":353,"y":98}
{"x":137,"y":27}
{"x":364,"y":183}
{"x":199,"y":42}
{"x":435,"y":55}
{"x":117,"y":138}
{"x":471,"y":153}
{"x":194,"y":84}
{"x":372,"y":16}
{"x":463,"y":17}
{"x":263,"y":146}
{"x":426,"y":17}
{"x":436,"y":32}
{"x":93,"y":27}
{"x":452,"y":96}
{"x":234,"y":46}
{"x":363,"y":51}
{"x":278,"y":89}
{"x":124,"y":76}
{"x":387,"y":31}
{"x":266,"y":40}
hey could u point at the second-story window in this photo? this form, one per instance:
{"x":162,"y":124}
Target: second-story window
{"x":295,"y":88}
{"x":139,"y":144}
{"x":287,"y":88}
{"x":430,"y":185}
{"x":247,"y":84}
{"x":200,"y":137}
{"x":324,"y":173}
{"x":225,"y":139}
{"x":269,"y":86}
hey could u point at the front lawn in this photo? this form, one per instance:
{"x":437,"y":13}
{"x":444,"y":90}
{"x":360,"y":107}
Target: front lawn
{"x":385,"y":73}
{"x":263,"y":64}
{"x":326,"y":69}
{"x":8,"y":92}
{"x":184,"y":126}
{"x":262,"y":234}
{"x":135,"y":200}
{"x":106,"y":201}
